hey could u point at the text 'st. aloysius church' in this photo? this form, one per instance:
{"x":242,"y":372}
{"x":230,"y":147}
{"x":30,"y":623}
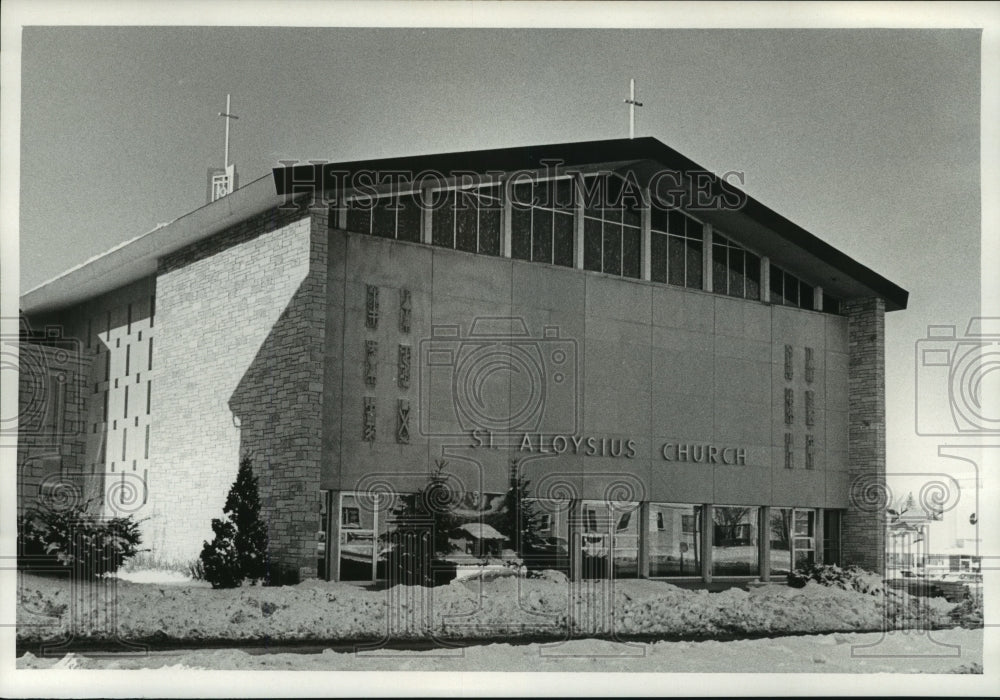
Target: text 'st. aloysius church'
{"x":693,"y":385}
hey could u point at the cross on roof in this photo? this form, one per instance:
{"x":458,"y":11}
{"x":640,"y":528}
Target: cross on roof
{"x":632,"y":104}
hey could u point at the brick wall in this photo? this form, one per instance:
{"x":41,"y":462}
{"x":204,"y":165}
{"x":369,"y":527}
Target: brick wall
{"x":240,"y":330}
{"x":113,"y":334}
{"x":51,"y":469}
{"x":863,"y":529}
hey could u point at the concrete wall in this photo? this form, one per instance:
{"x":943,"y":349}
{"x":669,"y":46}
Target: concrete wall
{"x":654,"y":364}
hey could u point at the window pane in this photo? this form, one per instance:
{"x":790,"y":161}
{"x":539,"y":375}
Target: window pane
{"x":521,"y":195}
{"x":674,"y":540}
{"x":831,"y":536}
{"x":632,"y":214}
{"x":613,"y":199}
{"x":520,"y":234}
{"x":735,"y":272}
{"x":465,"y":229}
{"x":694,"y":229}
{"x":677,"y":257}
{"x":694,"y":269}
{"x":545,"y":195}
{"x":734,"y":541}
{"x":541,"y":235}
{"x":564,"y":234}
{"x":791,"y":290}
{"x":592,"y":244}
{"x":563,"y":194}
{"x":443,"y":227}
{"x":408,"y":218}
{"x":753,"y":276}
{"x":358,"y":218}
{"x":625,"y":517}
{"x":552,"y":552}
{"x":804,"y":523}
{"x":658,"y":220}
{"x":720,"y":271}
{"x":658,"y":257}
{"x":677,"y":223}
{"x":384,"y":218}
{"x":777,"y":295}
{"x":780,"y":533}
{"x":489,"y":230}
{"x":805,"y":296}
{"x":631,"y":247}
{"x":612,"y":248}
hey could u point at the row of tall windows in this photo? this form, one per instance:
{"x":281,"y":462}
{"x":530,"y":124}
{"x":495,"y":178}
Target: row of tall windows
{"x":543,"y":226}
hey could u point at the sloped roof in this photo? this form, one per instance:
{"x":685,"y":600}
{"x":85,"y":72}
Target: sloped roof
{"x":754,"y":224}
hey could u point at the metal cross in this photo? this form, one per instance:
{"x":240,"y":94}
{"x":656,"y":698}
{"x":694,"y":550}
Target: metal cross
{"x":632,"y":104}
{"x":228,"y":116}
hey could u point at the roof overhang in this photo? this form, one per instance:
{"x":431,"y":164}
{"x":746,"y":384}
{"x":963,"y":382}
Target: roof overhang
{"x":137,"y":258}
{"x":749,"y":222}
{"x":753,"y":224}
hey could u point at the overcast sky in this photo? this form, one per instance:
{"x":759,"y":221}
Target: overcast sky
{"x":867,"y":138}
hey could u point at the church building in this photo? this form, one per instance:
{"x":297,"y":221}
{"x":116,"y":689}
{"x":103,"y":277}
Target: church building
{"x":692,"y":385}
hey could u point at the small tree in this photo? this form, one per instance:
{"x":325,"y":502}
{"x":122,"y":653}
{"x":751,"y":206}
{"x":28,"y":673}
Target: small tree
{"x":424,"y":520}
{"x":519,"y":519}
{"x":239,"y":550}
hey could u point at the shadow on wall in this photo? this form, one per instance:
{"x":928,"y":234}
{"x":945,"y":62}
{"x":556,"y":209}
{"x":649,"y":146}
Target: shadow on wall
{"x":277,"y":406}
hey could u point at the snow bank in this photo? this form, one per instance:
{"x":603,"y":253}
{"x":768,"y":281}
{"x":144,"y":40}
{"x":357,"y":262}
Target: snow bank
{"x":507,"y":607}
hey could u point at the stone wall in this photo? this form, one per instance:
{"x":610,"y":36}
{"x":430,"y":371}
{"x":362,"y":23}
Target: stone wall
{"x":240,"y":326}
{"x":863,"y":528}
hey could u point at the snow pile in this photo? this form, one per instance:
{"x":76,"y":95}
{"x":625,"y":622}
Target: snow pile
{"x":547,"y":606}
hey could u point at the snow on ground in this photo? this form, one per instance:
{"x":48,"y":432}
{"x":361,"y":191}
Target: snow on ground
{"x":164,"y":576}
{"x":940,"y":651}
{"x":509,"y":607}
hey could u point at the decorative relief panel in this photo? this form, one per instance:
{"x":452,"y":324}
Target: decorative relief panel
{"x":403,"y":421}
{"x":405,"y":310}
{"x":810,"y":365}
{"x":789,"y":455}
{"x":789,"y":406}
{"x":371,"y":361}
{"x":789,"y":369}
{"x":403,"y":377}
{"x":368,"y":433}
{"x":810,"y":407}
{"x":810,"y":452}
{"x":371,"y":306}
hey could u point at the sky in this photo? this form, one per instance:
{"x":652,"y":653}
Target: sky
{"x":870,"y":139}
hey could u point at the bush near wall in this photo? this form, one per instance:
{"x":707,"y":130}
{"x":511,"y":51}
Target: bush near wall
{"x":76,"y":538}
{"x":851,"y":578}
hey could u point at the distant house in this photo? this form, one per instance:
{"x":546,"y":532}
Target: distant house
{"x":480,"y":540}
